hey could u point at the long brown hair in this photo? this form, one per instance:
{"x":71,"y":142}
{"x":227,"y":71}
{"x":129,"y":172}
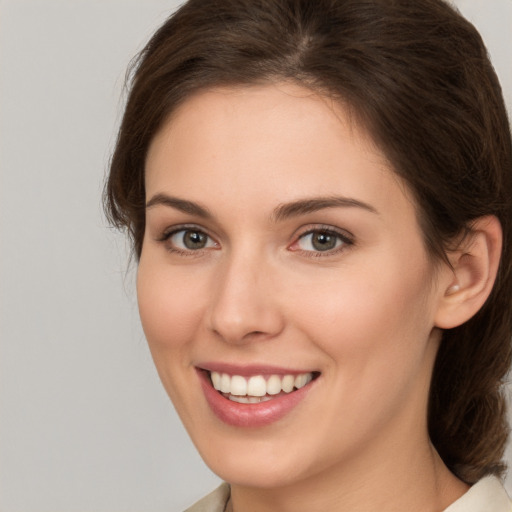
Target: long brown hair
{"x":417,"y":76}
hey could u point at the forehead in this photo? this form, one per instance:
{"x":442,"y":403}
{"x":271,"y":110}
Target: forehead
{"x":268,"y":142}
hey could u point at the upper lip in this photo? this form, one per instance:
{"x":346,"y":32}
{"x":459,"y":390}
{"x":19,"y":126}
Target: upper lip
{"x":250,"y":369}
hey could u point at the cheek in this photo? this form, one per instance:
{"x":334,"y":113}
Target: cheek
{"x":169,"y":306}
{"x":170,"y":310}
{"x":370,"y":316}
{"x":375,"y":330}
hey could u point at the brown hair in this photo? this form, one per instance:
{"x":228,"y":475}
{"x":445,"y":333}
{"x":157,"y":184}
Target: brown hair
{"x":417,"y":76}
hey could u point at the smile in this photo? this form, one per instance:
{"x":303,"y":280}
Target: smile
{"x":256,"y":398}
{"x":258,"y":388}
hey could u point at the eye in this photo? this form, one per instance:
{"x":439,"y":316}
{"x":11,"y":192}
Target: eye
{"x":321,"y":240}
{"x":189,"y":239}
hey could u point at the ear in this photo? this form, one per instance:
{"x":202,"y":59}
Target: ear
{"x":465,"y":288}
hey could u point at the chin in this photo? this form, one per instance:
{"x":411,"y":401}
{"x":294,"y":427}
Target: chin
{"x":257,"y":462}
{"x":246,"y":472}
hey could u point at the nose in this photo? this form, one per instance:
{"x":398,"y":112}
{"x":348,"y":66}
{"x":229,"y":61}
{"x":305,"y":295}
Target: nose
{"x":244,"y":305}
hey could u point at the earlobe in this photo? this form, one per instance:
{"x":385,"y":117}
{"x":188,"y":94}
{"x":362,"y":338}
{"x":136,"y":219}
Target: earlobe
{"x":465,"y":288}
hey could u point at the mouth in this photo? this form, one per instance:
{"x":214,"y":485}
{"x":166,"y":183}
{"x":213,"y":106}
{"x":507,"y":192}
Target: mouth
{"x":258,"y":388}
{"x":250,"y":397}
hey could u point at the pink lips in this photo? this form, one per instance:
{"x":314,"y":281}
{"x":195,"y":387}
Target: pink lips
{"x":249,"y":415}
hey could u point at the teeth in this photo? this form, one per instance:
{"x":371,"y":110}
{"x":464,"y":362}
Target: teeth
{"x":216,"y":380}
{"x":249,"y":399}
{"x":288,"y":383}
{"x":225,"y":383}
{"x":274,"y":385}
{"x":302,"y":380}
{"x":238,"y":386}
{"x":255,"y":389}
{"x":256,"y":385}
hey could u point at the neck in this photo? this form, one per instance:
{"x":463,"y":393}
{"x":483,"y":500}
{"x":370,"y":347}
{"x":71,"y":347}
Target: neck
{"x":403,"y":480}
{"x":396,"y":469}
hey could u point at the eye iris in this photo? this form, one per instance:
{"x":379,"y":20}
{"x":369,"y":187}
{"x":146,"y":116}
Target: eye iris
{"x":322,"y":241}
{"x":194,"y":240}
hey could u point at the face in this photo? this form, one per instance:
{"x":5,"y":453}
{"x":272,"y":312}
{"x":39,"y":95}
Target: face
{"x":284,"y":287}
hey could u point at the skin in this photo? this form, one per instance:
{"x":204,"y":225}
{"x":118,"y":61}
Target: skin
{"x":363,"y":314}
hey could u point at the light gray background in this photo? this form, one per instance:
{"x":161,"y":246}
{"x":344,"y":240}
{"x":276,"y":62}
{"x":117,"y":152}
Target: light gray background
{"x":84,"y":422}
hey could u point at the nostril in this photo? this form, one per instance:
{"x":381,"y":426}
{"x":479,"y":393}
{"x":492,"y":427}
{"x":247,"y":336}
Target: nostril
{"x":242,"y":309}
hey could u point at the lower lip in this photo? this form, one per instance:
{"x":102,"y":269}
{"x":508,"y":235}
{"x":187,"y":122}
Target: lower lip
{"x":250,"y":415}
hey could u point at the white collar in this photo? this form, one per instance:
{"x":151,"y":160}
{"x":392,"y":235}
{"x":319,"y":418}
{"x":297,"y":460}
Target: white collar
{"x":487,"y":495}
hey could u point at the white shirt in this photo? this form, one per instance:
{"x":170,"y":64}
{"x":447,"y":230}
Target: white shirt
{"x":487,"y":495}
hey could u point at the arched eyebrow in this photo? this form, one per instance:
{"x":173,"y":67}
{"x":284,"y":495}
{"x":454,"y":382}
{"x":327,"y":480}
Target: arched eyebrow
{"x":282,"y":212}
{"x":314,"y":204}
{"x":179,"y":204}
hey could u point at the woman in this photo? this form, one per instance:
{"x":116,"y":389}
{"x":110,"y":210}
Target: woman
{"x":319,"y":198}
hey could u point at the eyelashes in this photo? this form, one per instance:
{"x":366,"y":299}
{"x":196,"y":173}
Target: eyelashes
{"x":188,"y":240}
{"x":322,"y":241}
{"x":315,"y":241}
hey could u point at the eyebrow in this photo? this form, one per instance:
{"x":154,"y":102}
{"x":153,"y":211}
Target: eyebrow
{"x":282,"y":212}
{"x":179,"y":204}
{"x":314,"y":204}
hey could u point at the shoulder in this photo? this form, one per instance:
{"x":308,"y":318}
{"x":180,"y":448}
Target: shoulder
{"x":214,"y":502}
{"x":487,"y":495}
